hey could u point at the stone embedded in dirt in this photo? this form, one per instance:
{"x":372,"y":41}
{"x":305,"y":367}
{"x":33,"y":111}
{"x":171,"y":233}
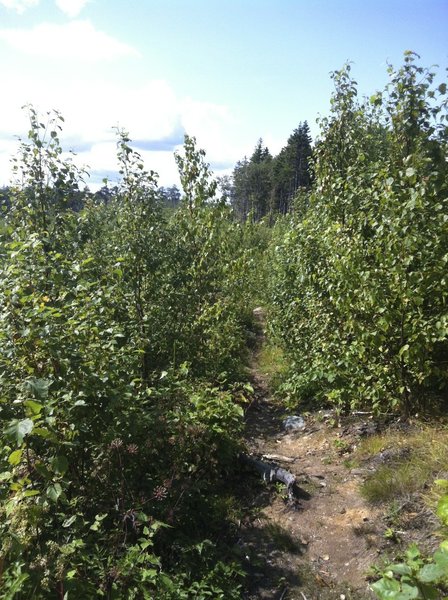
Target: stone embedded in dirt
{"x":294,"y":423}
{"x":389,"y":455}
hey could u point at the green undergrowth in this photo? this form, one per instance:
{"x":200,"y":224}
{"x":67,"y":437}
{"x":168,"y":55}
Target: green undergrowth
{"x":273,"y":364}
{"x":415,"y":574}
{"x":358,"y":290}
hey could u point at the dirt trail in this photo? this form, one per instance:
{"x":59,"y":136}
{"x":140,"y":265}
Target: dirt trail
{"x":322,"y":548}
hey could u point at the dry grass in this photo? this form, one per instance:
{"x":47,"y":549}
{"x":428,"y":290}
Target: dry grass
{"x":412,"y":462}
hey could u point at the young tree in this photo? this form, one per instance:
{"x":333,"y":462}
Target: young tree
{"x":361,"y":291}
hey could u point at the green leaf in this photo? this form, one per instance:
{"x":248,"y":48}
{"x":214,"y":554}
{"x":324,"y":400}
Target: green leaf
{"x":403,"y":349}
{"x":15,"y":457}
{"x":34,"y":408}
{"x":46,"y":434}
{"x":441,"y":558}
{"x":433,"y":572}
{"x":408,"y":592}
{"x":59,"y":465}
{"x":401,"y":569}
{"x":69,"y":521}
{"x":38,"y":387}
{"x":54,"y":491}
{"x":17,"y":430}
{"x":442,"y":509}
{"x":376,"y":99}
{"x":429,"y":592}
{"x":87,"y":261}
{"x":386,"y":588}
{"x":42,"y":470}
{"x":80,"y":403}
{"x":413,"y":552}
{"x":149,"y":574}
{"x":97,"y":524}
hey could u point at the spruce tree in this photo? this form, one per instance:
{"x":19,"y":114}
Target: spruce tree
{"x":291,"y":169}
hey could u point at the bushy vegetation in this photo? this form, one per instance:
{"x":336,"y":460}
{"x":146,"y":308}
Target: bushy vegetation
{"x":359,"y":295}
{"x":121,"y":330}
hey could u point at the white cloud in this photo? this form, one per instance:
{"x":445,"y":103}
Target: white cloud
{"x":19,"y":6}
{"x":66,"y":67}
{"x":77,"y":40}
{"x":71,"y":8}
{"x":214,"y":127}
{"x":151,"y":111}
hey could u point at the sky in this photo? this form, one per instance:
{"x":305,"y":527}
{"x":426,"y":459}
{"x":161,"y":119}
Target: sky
{"x":225,"y":71}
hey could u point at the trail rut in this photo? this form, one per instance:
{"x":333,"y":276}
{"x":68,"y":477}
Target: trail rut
{"x":323,"y":547}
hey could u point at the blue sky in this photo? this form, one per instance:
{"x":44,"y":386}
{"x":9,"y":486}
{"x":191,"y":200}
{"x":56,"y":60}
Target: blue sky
{"x":227,"y":72}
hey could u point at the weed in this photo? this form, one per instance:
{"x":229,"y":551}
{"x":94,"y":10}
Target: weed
{"x":281,"y":490}
{"x":342,"y":446}
{"x":273,"y":363}
{"x":391,"y":535}
{"x":414,"y":462}
{"x":393,"y":514}
{"x":388,"y":482}
{"x":374,"y":444}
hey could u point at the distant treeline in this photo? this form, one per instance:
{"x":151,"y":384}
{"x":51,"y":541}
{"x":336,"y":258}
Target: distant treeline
{"x":266,"y":184}
{"x":260,"y":185}
{"x":168,"y":196}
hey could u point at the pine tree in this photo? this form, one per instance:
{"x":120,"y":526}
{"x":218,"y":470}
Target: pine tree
{"x":252,"y":183}
{"x":291,"y":169}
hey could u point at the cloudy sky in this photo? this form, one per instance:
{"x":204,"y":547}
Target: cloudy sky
{"x":226,"y":71}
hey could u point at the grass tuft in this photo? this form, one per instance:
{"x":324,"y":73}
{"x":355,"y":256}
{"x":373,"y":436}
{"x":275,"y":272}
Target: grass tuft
{"x":414,"y":461}
{"x":272,"y":363}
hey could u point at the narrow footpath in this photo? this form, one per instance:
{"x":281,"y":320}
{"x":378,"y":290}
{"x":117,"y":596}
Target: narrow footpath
{"x":322,"y":546}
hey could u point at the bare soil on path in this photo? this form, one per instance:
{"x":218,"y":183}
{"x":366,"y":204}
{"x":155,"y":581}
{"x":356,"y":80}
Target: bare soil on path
{"x":322,"y":547}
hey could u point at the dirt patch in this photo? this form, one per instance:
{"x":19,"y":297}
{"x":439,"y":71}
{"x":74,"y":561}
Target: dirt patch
{"x":321,"y":548}
{"x":333,"y":529}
